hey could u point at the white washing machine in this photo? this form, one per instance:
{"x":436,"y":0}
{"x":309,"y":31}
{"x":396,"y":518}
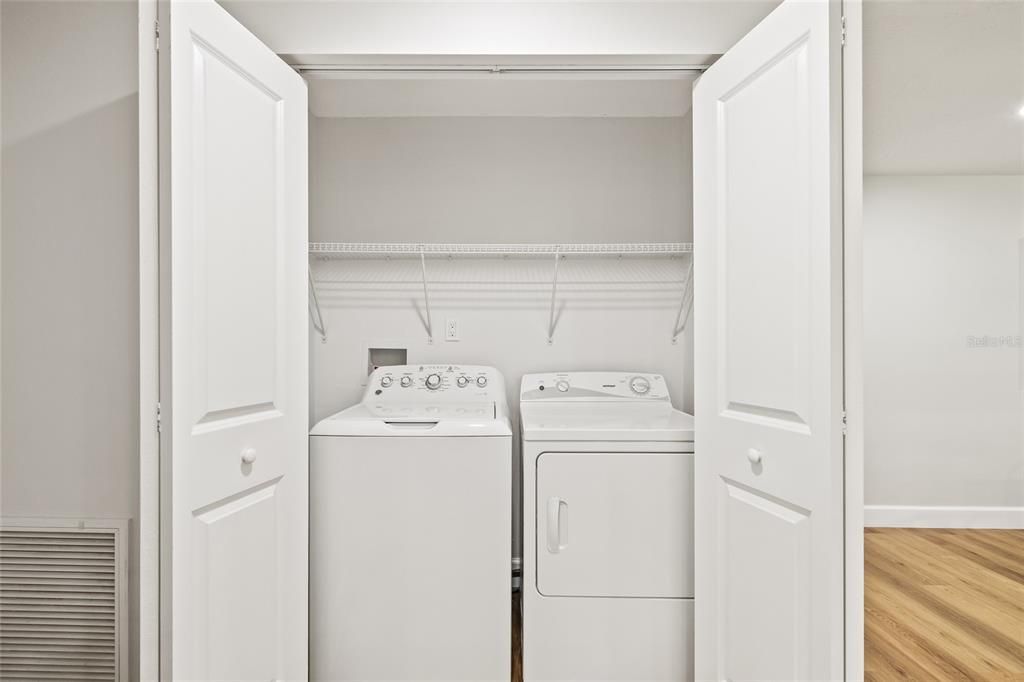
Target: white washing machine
{"x":607,"y":528}
{"x":410,"y":529}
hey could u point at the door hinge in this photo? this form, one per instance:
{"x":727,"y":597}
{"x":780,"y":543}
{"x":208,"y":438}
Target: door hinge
{"x":158,"y":423}
{"x":844,"y":422}
{"x":842,"y":33}
{"x":156,"y":40}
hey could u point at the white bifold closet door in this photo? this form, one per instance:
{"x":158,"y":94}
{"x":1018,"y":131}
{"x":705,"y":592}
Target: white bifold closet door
{"x":768,"y":352}
{"x":234,"y":449}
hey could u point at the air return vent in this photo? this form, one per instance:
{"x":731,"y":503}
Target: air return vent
{"x":63,"y":599}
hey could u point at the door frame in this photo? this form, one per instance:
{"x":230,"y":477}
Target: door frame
{"x":149,"y":335}
{"x":853,"y":333}
{"x":149,"y":347}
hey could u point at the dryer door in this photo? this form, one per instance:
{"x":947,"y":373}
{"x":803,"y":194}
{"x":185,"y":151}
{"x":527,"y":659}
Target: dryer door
{"x":617,"y":524}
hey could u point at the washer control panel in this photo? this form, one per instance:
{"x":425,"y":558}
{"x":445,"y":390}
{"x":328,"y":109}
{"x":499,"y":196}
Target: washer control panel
{"x":427,"y":383}
{"x":584,"y":386}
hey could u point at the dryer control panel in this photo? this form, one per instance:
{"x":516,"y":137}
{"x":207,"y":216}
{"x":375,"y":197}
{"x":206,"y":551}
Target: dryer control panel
{"x":592,"y":386}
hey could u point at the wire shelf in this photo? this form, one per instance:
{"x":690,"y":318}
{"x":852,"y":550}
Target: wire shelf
{"x":483,"y":271}
{"x":384,"y":249}
{"x":572,"y":272}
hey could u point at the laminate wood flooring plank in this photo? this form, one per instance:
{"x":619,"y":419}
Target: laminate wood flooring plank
{"x":944,"y":604}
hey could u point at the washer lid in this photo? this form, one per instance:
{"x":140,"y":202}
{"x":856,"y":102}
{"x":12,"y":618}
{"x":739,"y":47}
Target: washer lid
{"x":426,"y":400}
{"x":413,"y":421}
{"x":612,"y":421}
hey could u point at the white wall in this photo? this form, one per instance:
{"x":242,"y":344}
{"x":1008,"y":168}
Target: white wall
{"x":500,"y":180}
{"x":960,"y":119}
{"x":943,"y":263}
{"x":70,"y":259}
{"x":492,"y":179}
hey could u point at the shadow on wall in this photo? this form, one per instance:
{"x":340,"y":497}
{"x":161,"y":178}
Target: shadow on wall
{"x":70,"y":317}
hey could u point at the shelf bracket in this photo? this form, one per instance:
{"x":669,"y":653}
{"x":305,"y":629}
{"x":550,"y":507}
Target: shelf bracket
{"x":554,"y":291}
{"x":426,"y":295}
{"x":316,"y":317}
{"x":685,"y":305}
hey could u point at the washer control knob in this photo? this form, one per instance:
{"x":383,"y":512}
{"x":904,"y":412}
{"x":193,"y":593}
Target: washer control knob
{"x":386,"y":381}
{"x":481,"y":380}
{"x":462,"y":381}
{"x":639,"y":385}
{"x":562,"y":385}
{"x":406,"y":382}
{"x":433,"y":381}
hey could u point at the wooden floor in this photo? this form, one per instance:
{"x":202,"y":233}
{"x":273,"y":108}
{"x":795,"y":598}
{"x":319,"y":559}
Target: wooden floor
{"x":517,"y":638}
{"x":944,"y":604}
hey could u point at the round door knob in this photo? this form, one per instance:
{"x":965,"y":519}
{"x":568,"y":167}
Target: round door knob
{"x":386,"y":381}
{"x":406,"y":382}
{"x":754,"y":456}
{"x":481,"y":381}
{"x":562,"y":385}
{"x":248,"y":456}
{"x":433,"y":382}
{"x":462,"y":381}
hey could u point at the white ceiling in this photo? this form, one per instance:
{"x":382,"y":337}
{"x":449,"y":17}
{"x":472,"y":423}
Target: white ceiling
{"x":306,"y":30}
{"x":943,"y":84}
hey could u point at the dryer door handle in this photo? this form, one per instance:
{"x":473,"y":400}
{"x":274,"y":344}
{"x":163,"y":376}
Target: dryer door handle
{"x":558,"y":524}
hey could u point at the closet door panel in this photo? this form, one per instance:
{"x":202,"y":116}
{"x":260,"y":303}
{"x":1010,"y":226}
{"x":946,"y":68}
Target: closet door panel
{"x":234,"y":369}
{"x":237,"y":182}
{"x":768,"y":352}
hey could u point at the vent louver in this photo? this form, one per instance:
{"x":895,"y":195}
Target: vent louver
{"x":61,"y":600}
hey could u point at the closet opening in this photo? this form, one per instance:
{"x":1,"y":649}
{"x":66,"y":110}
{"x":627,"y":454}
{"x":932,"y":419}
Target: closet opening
{"x":529,"y":219}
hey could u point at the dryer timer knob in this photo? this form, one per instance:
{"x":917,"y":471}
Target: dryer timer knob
{"x":639,"y":385}
{"x":433,"y":381}
{"x":481,"y":381}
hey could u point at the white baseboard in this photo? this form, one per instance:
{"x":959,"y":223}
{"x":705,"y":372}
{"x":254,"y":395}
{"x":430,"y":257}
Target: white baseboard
{"x":889,"y":516}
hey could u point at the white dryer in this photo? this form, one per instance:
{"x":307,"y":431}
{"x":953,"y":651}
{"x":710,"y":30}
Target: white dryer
{"x":607,"y":528}
{"x":410,"y":529}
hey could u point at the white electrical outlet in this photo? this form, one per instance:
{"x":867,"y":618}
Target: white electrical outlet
{"x":451,"y":329}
